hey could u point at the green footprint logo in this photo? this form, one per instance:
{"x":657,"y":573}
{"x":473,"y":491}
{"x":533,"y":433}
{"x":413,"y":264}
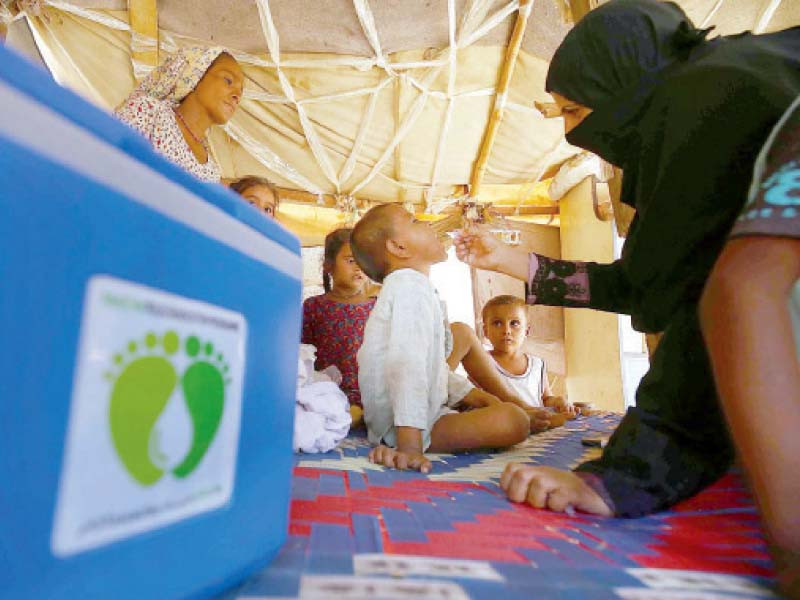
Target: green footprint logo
{"x":141,"y":391}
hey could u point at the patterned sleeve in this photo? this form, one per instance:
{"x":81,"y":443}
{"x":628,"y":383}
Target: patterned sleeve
{"x":577,"y":284}
{"x":557,"y":282}
{"x":138,"y":111}
{"x":773,"y":206}
{"x":307,"y":336}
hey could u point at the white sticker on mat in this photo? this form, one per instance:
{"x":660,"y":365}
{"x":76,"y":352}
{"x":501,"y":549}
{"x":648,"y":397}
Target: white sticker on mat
{"x":398,"y":565}
{"x":677,"y":579}
{"x":155,"y":414}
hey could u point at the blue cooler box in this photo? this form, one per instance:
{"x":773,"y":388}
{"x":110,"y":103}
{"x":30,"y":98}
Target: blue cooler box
{"x":150,"y":327}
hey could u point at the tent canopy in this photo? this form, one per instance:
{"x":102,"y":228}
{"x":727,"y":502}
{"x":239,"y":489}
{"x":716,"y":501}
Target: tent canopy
{"x":416,"y":101}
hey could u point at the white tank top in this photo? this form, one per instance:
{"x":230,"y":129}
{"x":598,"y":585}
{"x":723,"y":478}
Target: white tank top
{"x":529,"y":385}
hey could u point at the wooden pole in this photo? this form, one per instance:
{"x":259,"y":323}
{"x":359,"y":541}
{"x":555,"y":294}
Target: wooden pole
{"x":143,"y":18}
{"x":623,"y":214}
{"x":496,"y":117}
{"x":579,"y":8}
{"x":398,"y":149}
{"x":291,"y":196}
{"x":6,"y":15}
{"x":511,"y":211}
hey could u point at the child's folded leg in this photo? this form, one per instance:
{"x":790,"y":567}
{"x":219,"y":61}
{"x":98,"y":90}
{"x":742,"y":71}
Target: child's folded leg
{"x":494,"y":426}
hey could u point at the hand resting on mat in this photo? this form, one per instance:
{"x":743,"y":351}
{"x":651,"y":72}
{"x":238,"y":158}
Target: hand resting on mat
{"x":546,"y":487}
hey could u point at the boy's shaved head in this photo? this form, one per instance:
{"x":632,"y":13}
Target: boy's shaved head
{"x":369,"y":237}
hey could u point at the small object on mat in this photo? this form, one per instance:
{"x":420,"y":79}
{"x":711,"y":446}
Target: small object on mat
{"x":597,"y":441}
{"x":587,"y":409}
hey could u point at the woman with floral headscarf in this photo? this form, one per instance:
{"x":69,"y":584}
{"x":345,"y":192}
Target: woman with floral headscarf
{"x":685,"y":118}
{"x":176,"y":105}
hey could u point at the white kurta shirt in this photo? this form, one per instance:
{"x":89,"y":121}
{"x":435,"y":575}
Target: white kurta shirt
{"x":402,"y":363}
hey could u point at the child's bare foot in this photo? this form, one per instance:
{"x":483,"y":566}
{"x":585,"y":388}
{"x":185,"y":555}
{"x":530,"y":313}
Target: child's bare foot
{"x":556,"y":419}
{"x":395,"y":459}
{"x":540,"y":418}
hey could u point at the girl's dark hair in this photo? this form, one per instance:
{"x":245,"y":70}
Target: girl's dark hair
{"x":241,"y":185}
{"x":333,"y":243}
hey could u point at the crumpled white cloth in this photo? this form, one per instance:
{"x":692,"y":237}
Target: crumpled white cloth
{"x":322,"y":413}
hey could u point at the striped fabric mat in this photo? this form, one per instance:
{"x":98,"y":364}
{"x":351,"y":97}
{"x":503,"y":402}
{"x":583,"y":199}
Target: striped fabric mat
{"x":360,"y":531}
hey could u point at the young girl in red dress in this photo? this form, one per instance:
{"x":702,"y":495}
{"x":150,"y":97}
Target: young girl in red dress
{"x":334,"y":321}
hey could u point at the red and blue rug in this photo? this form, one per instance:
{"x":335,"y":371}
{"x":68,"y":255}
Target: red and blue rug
{"x":360,"y":531}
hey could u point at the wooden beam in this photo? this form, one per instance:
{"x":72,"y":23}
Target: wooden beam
{"x":6,"y":15}
{"x":326,"y":200}
{"x":623,"y":214}
{"x":143,"y":19}
{"x":301,"y":197}
{"x":510,"y":211}
{"x":579,"y":8}
{"x":329,"y":201}
{"x":398,"y":149}
{"x":501,"y":92}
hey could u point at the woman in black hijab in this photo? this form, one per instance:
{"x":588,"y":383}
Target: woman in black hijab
{"x":640,"y":86}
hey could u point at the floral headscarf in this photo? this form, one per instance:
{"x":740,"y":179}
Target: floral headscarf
{"x":177,"y":76}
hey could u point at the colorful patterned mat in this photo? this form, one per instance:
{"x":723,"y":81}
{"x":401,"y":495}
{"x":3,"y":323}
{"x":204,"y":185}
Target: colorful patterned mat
{"x":360,"y":531}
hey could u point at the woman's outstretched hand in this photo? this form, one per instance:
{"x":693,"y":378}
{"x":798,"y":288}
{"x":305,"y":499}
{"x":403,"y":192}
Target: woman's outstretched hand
{"x":476,"y":246}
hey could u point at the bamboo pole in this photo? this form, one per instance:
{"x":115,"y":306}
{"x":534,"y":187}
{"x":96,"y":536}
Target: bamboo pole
{"x":623,"y":214}
{"x":512,"y":52}
{"x":6,"y":16}
{"x":579,"y":8}
{"x":329,"y":201}
{"x":511,"y":211}
{"x":398,"y":149}
{"x":143,"y":18}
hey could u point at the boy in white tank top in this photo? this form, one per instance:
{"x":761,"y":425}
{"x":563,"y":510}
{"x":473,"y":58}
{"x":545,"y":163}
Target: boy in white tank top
{"x":505,"y":325}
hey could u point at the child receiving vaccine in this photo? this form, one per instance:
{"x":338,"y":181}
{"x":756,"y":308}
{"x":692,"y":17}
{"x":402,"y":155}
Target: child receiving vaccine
{"x":413,"y":402}
{"x":505,"y":325}
{"x":334,"y":322}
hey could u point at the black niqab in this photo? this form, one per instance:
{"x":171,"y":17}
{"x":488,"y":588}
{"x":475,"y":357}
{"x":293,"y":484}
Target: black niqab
{"x":685,"y":119}
{"x":611,"y":61}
